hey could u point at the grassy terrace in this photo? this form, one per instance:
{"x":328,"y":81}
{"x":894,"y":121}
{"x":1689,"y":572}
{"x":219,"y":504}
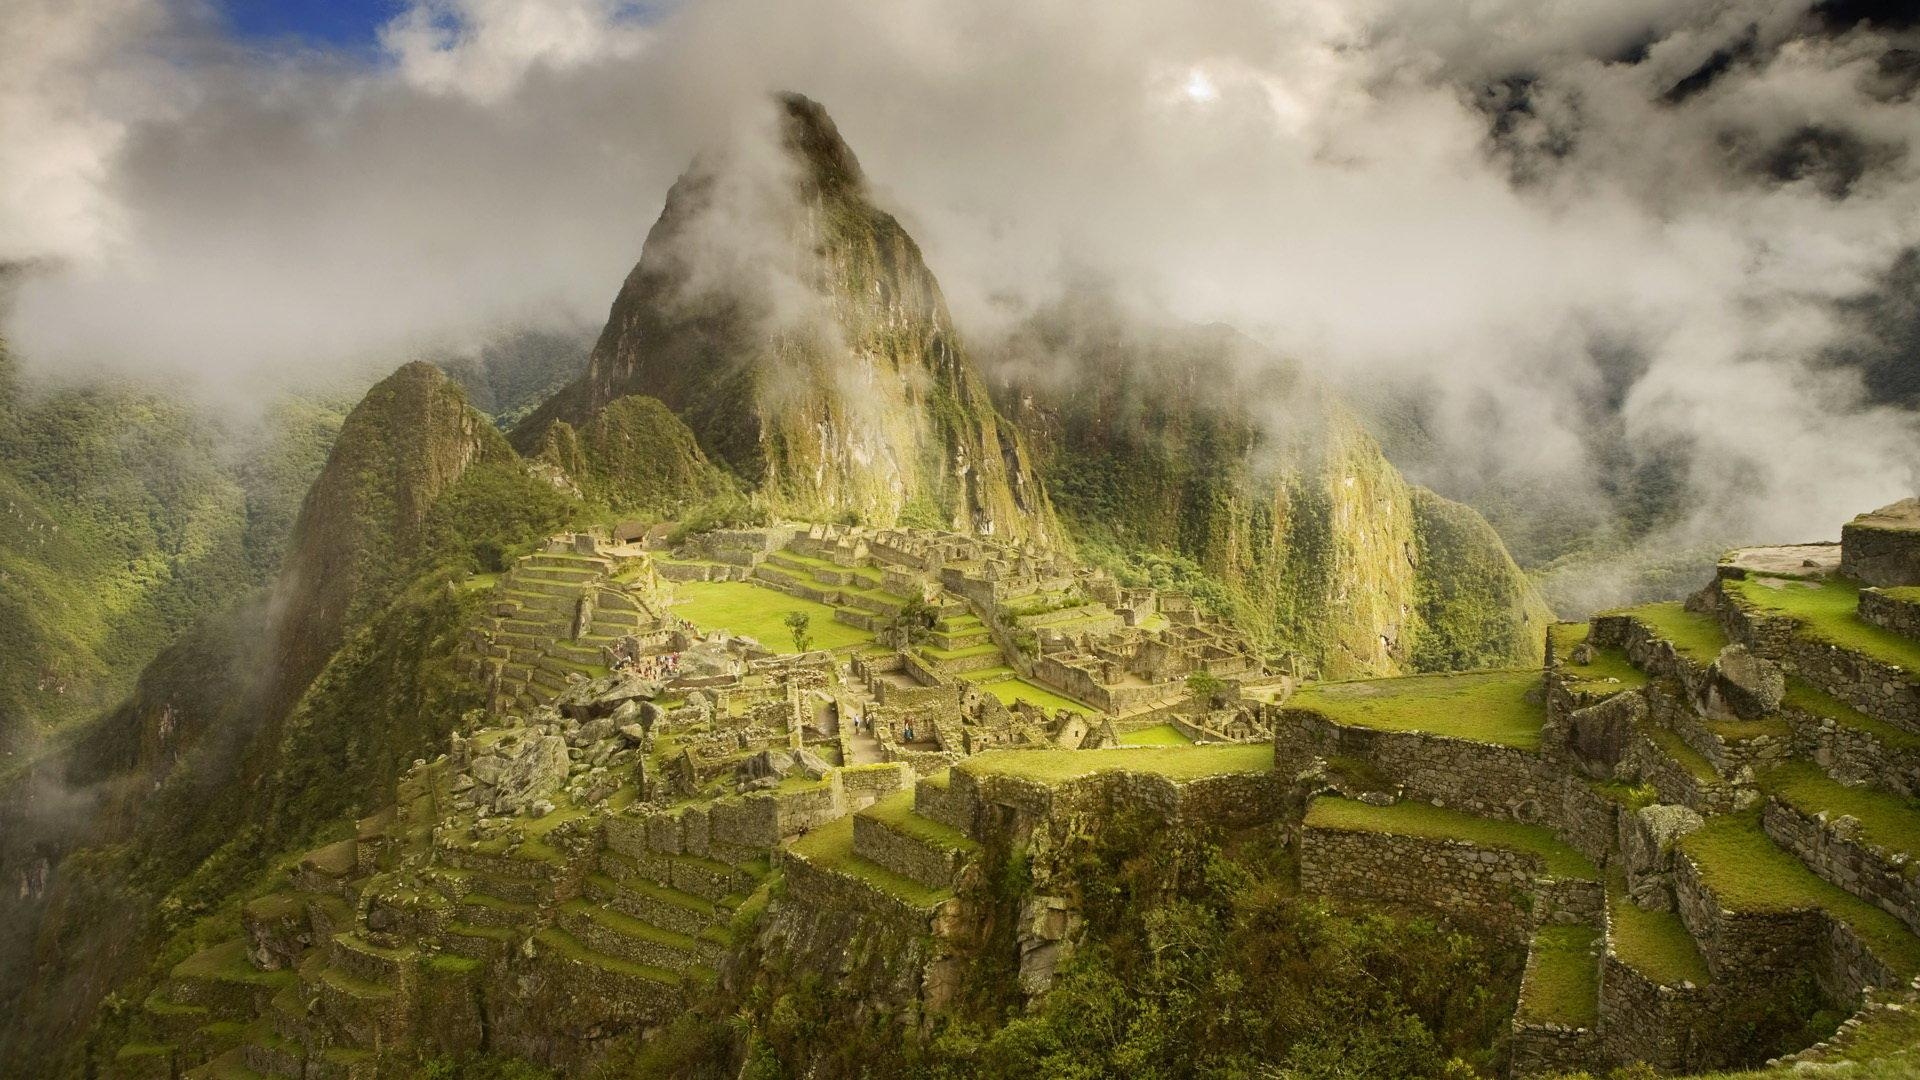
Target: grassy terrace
{"x":1672,"y":745}
{"x":1484,"y":706}
{"x":756,"y":611}
{"x":1434,"y":823}
{"x":896,"y":811}
{"x":1565,"y":988}
{"x":1610,"y":671}
{"x":1886,"y":820}
{"x":565,"y":944}
{"x":1012,"y":690}
{"x":831,"y":847}
{"x":1695,"y":636}
{"x":1826,"y":611}
{"x":1749,"y":872}
{"x":1157,"y":735}
{"x":1051,"y":766}
{"x":1809,"y":698}
{"x":1654,"y":943}
{"x":227,"y":962}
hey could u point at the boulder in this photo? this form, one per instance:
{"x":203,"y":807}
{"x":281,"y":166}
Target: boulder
{"x":813,"y":765}
{"x":774,"y":763}
{"x":1599,"y":734}
{"x":1744,"y":685}
{"x":1648,"y":851}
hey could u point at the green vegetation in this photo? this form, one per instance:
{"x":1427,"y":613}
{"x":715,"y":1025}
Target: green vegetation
{"x":1675,"y":747}
{"x":1654,"y":943}
{"x":1435,"y":823}
{"x":1157,"y":735}
{"x":1501,"y":707}
{"x":1886,"y":820}
{"x":1693,"y":635}
{"x":758,"y":612}
{"x":1564,"y":985}
{"x":1477,"y":610}
{"x":1748,"y":872}
{"x":796,"y":623}
{"x":634,"y":455}
{"x":1050,"y":766}
{"x":1826,"y":611}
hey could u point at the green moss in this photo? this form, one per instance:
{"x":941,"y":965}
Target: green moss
{"x":1008,"y":691}
{"x":1673,"y":746}
{"x":1501,"y":707}
{"x":1748,"y":872}
{"x":1172,"y":762}
{"x":1435,"y":823}
{"x":1564,"y":982}
{"x":1654,"y":943}
{"x":1826,"y":611}
{"x":1608,"y":672}
{"x":1477,"y":610}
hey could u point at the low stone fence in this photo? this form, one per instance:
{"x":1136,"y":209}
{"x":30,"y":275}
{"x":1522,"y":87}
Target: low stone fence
{"x":1842,"y":858}
{"x":1484,"y":778}
{"x":1647,"y":652}
{"x":1889,"y":612}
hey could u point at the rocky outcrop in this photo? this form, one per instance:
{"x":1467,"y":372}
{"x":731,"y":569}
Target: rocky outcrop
{"x":792,"y":324}
{"x":633,"y":454}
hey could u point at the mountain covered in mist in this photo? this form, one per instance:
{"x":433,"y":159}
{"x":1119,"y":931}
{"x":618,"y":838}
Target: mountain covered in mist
{"x":795,"y":328}
{"x":1158,"y":442}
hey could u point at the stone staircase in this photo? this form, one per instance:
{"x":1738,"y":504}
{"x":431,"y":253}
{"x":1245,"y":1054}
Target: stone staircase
{"x":535,"y":632}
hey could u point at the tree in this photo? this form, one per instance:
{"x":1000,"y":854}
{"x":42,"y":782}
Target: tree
{"x":913,"y":622}
{"x":1205,"y":687}
{"x":797,"y":624}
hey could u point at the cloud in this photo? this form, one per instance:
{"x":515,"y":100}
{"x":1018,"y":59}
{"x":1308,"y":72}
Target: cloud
{"x":1584,"y":234}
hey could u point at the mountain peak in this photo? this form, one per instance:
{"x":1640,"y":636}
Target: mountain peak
{"x":811,"y":136}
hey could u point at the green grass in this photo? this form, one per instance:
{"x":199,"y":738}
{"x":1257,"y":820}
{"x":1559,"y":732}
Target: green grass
{"x":1886,"y":820}
{"x":1654,"y":943}
{"x":1826,"y":612}
{"x":1565,"y":988}
{"x":227,"y":962}
{"x":1609,"y":673}
{"x":1435,"y":823}
{"x":1157,"y":735}
{"x":968,"y":653}
{"x":1009,"y":691}
{"x":570,"y":947}
{"x":896,"y":811}
{"x":756,"y":611}
{"x":1172,"y":762}
{"x":1695,"y":636}
{"x":1483,"y":706}
{"x":831,"y":847}
{"x":1811,"y":699}
{"x":1749,"y":872}
{"x":1675,"y":747}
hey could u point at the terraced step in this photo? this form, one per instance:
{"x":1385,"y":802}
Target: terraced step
{"x":892,"y":835}
{"x":639,"y":986}
{"x":222,"y":981}
{"x":144,"y":1061}
{"x":540,"y":603}
{"x":1656,"y":944}
{"x":567,"y":560}
{"x":1746,"y":873}
{"x":1860,"y":838}
{"x":961,"y":661}
{"x":1695,"y":637}
{"x":667,"y":908}
{"x":1562,"y":981}
{"x":613,"y":933}
{"x":830,"y":848}
{"x":269,"y":1054}
{"x":371,"y":963}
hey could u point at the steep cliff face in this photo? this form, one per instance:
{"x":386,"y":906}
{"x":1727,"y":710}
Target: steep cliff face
{"x":795,"y":328}
{"x":1158,"y":440}
{"x":407,"y":443}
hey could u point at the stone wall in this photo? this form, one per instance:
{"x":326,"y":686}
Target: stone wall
{"x":1229,"y":800}
{"x":1485,"y":779}
{"x":930,"y":865}
{"x":1878,"y":689}
{"x":1642,"y":1020}
{"x":1489,"y":886}
{"x":1836,"y":852}
{"x":1743,"y":947}
{"x":1890,"y":613}
{"x":1854,"y":755}
{"x":1879,"y":554}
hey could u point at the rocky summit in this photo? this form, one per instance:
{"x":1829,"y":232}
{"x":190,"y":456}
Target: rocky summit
{"x":787,"y":696}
